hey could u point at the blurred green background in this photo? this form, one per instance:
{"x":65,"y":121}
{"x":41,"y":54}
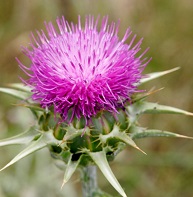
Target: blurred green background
{"x":167,"y":28}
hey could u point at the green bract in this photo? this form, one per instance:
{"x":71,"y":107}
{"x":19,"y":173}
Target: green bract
{"x":78,"y":145}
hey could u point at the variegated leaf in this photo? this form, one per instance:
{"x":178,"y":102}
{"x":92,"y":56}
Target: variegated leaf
{"x":101,"y":161}
{"x":23,"y":138}
{"x":138,"y":132}
{"x":155,"y":75}
{"x":116,"y":133}
{"x":16,"y":93}
{"x":20,"y":86}
{"x":70,"y":169}
{"x":41,"y":142}
{"x":142,"y":107}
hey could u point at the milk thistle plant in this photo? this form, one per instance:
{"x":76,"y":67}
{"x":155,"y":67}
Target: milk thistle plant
{"x":83,"y":88}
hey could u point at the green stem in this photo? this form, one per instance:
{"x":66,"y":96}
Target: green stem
{"x":89,"y":181}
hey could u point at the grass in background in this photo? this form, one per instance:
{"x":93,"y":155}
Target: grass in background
{"x":167,"y":28}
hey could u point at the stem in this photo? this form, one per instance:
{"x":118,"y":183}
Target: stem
{"x":89,"y":181}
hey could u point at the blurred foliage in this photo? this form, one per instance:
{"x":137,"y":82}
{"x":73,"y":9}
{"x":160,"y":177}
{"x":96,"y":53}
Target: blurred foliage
{"x":167,"y":28}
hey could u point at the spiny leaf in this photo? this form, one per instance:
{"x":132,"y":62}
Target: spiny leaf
{"x":20,"y":86}
{"x":155,"y":75}
{"x":125,"y":138}
{"x":138,"y":132}
{"x":16,"y":93}
{"x":23,"y":138}
{"x":142,"y":107}
{"x":145,"y":95}
{"x":116,"y":133}
{"x":32,"y":107}
{"x":73,"y":132}
{"x":101,"y":161}
{"x":40,"y":143}
{"x":70,"y":169}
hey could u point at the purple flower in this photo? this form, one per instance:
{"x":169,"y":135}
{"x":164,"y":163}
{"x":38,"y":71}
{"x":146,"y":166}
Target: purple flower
{"x":83,"y":70}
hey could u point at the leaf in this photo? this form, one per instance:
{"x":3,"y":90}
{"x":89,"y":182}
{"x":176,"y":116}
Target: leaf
{"x":20,"y":86}
{"x":34,"y":146}
{"x":128,"y":140}
{"x":101,"y":161}
{"x":116,"y":133}
{"x":155,"y":75}
{"x":16,"y":93}
{"x":142,"y":107}
{"x":70,"y":169}
{"x":32,"y":107}
{"x":143,"y":96}
{"x":138,"y":132}
{"x":23,"y":138}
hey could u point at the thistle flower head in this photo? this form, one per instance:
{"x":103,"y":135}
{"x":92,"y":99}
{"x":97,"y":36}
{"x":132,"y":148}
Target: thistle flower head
{"x":81,"y":70}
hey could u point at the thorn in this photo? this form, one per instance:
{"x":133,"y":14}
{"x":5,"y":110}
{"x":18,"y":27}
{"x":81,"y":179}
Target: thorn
{"x":174,"y":69}
{"x":98,"y":144}
{"x":64,"y":182}
{"x":189,"y":113}
{"x":95,"y":140}
{"x":154,"y":91}
{"x":62,"y":142}
{"x":84,"y":131}
{"x":82,"y":150}
{"x":140,"y":150}
{"x":2,"y":169}
{"x":184,"y":136}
